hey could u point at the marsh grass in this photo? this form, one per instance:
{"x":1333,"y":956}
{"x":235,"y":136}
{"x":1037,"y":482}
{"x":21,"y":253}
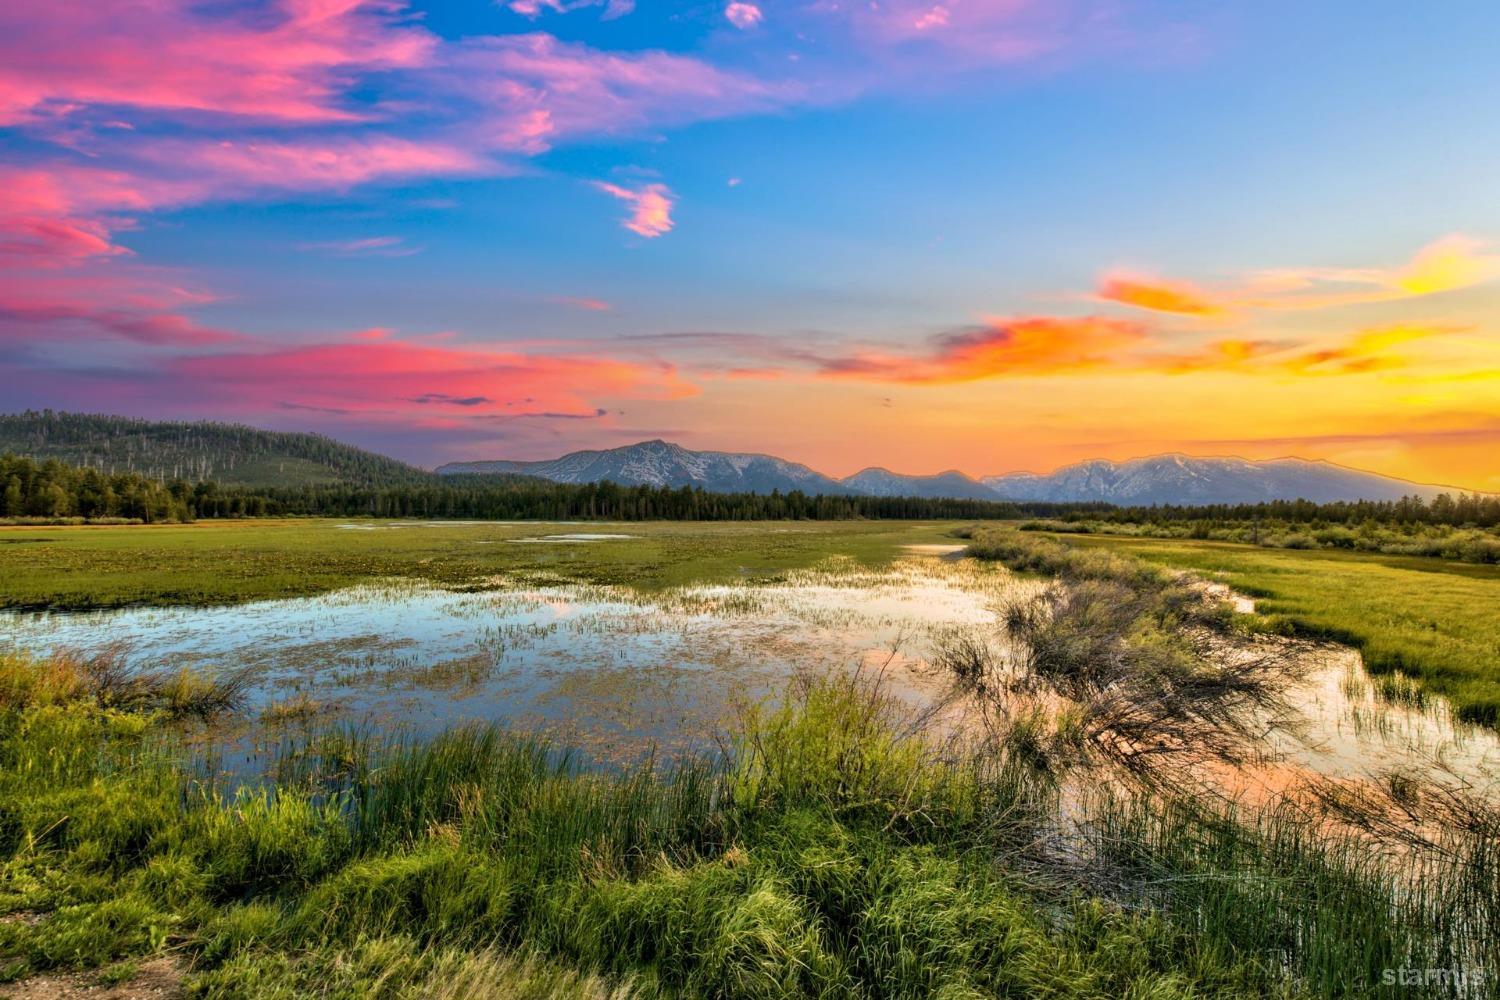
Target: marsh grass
{"x":1335,"y":903}
{"x":831,"y":849}
{"x":1432,"y":620}
{"x":228,"y":562}
{"x":297,"y":708}
{"x":106,"y":677}
{"x":1398,"y":689}
{"x":1143,"y":668}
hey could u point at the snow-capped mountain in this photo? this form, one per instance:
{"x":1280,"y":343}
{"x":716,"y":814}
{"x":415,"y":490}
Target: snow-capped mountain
{"x":661,"y":463}
{"x":1160,"y":479}
{"x":1183,"y":479}
{"x":876,"y":482}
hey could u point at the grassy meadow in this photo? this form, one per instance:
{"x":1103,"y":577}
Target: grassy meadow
{"x":1435,"y":621}
{"x":221,"y":562}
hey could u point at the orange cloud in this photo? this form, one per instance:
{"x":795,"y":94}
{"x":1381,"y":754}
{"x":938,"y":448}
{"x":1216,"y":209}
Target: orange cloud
{"x":1453,"y":262}
{"x":1218,"y":355}
{"x":1050,"y":345}
{"x":1366,"y":351}
{"x":1159,"y":295}
{"x":1035,"y":345}
{"x":1369,"y":350}
{"x":1448,"y":264}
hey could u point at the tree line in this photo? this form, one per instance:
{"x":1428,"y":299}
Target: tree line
{"x":54,"y":490}
{"x":51,"y":490}
{"x":1456,"y":510}
{"x":196,"y":451}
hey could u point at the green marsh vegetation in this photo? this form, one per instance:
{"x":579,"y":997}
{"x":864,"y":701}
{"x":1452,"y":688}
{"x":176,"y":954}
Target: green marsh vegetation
{"x":833,"y":849}
{"x":1432,"y":621}
{"x":225,"y":562}
{"x":1461,"y":526}
{"x":1437,"y":541}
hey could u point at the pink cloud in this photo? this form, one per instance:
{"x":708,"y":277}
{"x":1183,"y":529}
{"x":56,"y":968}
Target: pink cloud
{"x":650,"y":207}
{"x":137,"y":305}
{"x":227,"y":167}
{"x":391,"y":377}
{"x":58,"y":214}
{"x":991,"y":31}
{"x":743,"y":15}
{"x":534,"y":8}
{"x":589,"y":304}
{"x":169,"y":56}
{"x":530,"y":91}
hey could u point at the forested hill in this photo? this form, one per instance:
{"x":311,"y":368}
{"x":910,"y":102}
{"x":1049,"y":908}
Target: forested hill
{"x":229,"y":454}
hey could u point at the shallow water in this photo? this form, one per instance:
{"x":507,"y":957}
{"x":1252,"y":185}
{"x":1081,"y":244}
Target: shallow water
{"x":602,"y":667}
{"x":615,"y":672}
{"x":576,"y":536}
{"x":1345,"y":730}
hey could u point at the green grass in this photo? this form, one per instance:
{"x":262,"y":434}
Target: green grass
{"x":1436,"y":622}
{"x":79,"y":567}
{"x":829,"y":855}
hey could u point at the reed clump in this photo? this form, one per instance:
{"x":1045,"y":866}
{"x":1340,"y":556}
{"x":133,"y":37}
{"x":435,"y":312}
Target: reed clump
{"x":106,"y":678}
{"x":1144,"y":668}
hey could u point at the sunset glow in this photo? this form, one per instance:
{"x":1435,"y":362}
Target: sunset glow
{"x":988,"y":236}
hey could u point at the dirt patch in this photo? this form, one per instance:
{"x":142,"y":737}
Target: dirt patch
{"x":158,"y":979}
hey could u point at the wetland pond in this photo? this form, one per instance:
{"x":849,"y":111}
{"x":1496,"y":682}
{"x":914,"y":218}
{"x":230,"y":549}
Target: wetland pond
{"x":607,"y":669}
{"x":619,"y":673}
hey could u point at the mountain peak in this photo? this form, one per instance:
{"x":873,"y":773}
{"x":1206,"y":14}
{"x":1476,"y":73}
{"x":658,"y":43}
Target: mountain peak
{"x":1189,"y":480}
{"x":664,"y":463}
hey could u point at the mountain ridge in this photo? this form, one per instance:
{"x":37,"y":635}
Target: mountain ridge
{"x":236,"y":454}
{"x":1168,"y":478}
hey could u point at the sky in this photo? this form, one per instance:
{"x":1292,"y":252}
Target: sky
{"x":991,"y":235}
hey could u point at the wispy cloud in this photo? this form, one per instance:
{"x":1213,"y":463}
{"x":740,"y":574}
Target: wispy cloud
{"x":535,"y":8}
{"x":583,"y":302}
{"x":650,"y":207}
{"x":368,"y":246}
{"x":173,"y":58}
{"x":1032,"y":345}
{"x":1451,"y":263}
{"x":135,"y":304}
{"x":1160,"y":295}
{"x":1041,"y":346}
{"x":743,"y":15}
